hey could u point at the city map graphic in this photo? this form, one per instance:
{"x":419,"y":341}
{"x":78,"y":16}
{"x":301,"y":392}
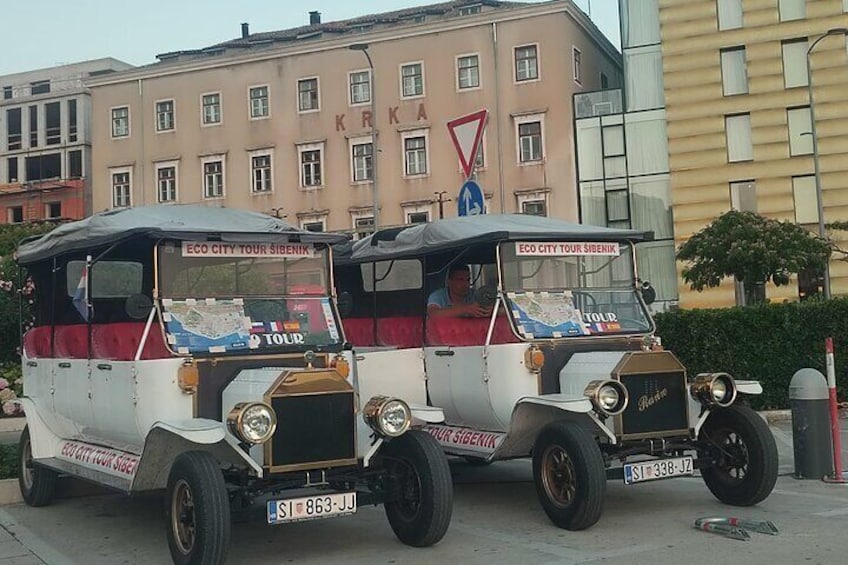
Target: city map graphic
{"x":547,"y":314}
{"x":206,"y":326}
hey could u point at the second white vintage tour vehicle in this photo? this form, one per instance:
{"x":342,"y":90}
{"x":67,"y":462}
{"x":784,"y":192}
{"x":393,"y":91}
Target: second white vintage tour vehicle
{"x":552,"y":357}
{"x":198,"y":350}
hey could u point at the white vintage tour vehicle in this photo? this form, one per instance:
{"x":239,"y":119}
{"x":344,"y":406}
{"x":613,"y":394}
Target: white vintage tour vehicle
{"x":198,"y":350}
{"x":534,"y":337}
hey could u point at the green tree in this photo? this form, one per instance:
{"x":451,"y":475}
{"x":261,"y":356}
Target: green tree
{"x":752,"y":249}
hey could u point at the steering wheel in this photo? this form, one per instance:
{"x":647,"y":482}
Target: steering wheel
{"x":485,"y":296}
{"x":589,"y":298}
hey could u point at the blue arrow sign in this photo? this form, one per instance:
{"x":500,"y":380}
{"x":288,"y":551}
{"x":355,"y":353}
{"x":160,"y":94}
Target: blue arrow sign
{"x":470,"y":201}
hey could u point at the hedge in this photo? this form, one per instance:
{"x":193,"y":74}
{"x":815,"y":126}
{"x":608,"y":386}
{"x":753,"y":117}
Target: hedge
{"x":768,"y":343}
{"x":9,"y":461}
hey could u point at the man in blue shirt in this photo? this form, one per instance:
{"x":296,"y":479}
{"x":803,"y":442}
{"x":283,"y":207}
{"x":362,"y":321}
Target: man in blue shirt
{"x":455,"y":299}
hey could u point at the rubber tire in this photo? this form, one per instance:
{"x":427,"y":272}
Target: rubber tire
{"x":43,"y":479}
{"x":422,"y":453}
{"x":201,"y":473}
{"x":590,"y":473}
{"x":762,"y":456}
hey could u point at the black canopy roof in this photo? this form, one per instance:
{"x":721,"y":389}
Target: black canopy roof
{"x":458,"y":233}
{"x":181,"y":221}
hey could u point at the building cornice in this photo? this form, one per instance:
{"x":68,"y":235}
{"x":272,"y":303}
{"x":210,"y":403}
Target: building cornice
{"x":378,"y":36}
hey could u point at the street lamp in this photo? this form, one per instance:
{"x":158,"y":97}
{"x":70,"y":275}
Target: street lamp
{"x":373,"y":88}
{"x":819,"y":199}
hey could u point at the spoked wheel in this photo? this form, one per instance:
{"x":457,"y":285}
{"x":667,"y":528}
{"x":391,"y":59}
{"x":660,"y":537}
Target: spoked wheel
{"x":38,"y":484}
{"x":198,"y":511}
{"x":420,"y":489}
{"x":745,"y":455}
{"x":570,"y":477}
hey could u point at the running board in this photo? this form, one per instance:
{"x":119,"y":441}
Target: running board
{"x":97,"y":477}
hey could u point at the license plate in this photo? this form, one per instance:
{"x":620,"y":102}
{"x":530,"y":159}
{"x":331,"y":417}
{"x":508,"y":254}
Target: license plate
{"x":657,"y":469}
{"x":311,"y":507}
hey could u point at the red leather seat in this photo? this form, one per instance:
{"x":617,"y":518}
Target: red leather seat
{"x":37,"y":342}
{"x":403,"y":332}
{"x":467,"y":331}
{"x":71,"y":342}
{"x":119,"y":342}
{"x":359,"y":331}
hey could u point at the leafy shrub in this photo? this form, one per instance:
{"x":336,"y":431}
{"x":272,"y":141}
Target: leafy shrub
{"x":767,"y":342}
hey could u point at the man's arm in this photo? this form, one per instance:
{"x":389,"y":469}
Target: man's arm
{"x":458,"y":311}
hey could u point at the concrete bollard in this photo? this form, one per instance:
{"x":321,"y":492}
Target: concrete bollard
{"x":811,"y":441}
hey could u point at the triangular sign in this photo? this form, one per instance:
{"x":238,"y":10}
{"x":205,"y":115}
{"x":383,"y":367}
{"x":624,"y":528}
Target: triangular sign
{"x":466,"y":133}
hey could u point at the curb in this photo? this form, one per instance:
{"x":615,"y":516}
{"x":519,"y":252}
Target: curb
{"x":12,"y":424}
{"x":10,"y":492}
{"x":775,"y":416}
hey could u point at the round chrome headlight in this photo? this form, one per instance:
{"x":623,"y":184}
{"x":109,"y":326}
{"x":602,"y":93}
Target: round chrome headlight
{"x":387,"y":416}
{"x":714,"y":389}
{"x":609,"y":397}
{"x":252,"y":422}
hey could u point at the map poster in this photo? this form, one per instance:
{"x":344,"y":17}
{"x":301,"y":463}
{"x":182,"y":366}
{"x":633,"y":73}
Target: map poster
{"x":546,"y":314}
{"x":213,"y":326}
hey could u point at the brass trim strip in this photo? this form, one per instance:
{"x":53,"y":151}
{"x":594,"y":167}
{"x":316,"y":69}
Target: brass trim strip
{"x":311,"y":465}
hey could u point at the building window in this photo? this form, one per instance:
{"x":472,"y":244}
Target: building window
{"x":467,"y":72}
{"x":314,"y":223}
{"x":310,"y":166}
{"x":415,"y":155}
{"x":260,"y":172}
{"x":738,"y":132}
{"x":529,"y":142}
{"x":307,"y":94}
{"x":52,"y":210}
{"x":729,"y":14}
{"x":211,"y":108}
{"x":213,"y":177}
{"x":534,"y":208}
{"x":53,"y":123}
{"x":165,"y":115}
{"x":469,"y":10}
{"x":166,"y":182}
{"x":360,"y":87}
{"x":40,"y":87}
{"x":604,"y":82}
{"x":743,"y":196}
{"x":15,"y":214}
{"x":362,"y":155}
{"x":412,"y":80}
{"x":526,"y":63}
{"x":800,"y":131}
{"x":576,"y":65}
{"x":13,"y":129}
{"x":33,"y":126}
{"x":120,"y":121}
{"x":618,"y":208}
{"x":363,"y":224}
{"x":806,"y":202}
{"x":613,"y":140}
{"x":792,"y":9}
{"x":75,"y":164}
{"x":794,"y":62}
{"x":7,"y":93}
{"x":417,"y":217}
{"x":121,"y":197}
{"x":259,"y":106}
{"x":734,"y":71}
{"x":12,"y":169}
{"x":72,"y":121}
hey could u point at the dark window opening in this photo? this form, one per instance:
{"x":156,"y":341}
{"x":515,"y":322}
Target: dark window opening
{"x":7,"y":93}
{"x":810,"y":283}
{"x":53,"y":210}
{"x":12,"y":163}
{"x":604,"y":81}
{"x":74,"y":164}
{"x":15,"y":214}
{"x":72,"y":121}
{"x":53,"y":119}
{"x":43,"y":167}
{"x":40,"y":87}
{"x":13,"y":128}
{"x":33,"y":126}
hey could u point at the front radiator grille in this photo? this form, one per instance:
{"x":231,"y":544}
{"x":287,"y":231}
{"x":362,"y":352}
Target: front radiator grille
{"x":658,"y":405}
{"x":314,"y":428}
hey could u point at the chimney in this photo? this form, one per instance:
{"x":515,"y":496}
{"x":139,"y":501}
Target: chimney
{"x":245,"y":29}
{"x":314,"y":18}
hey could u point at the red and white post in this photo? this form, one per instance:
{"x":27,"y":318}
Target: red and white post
{"x":834,"y":413}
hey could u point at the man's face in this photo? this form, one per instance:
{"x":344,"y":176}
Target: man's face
{"x":459,"y":282}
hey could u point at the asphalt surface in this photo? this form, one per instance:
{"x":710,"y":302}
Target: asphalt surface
{"x":496,"y":520}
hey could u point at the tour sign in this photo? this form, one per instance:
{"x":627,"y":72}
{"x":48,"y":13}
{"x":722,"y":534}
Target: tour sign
{"x":269,"y":250}
{"x":561,"y":249}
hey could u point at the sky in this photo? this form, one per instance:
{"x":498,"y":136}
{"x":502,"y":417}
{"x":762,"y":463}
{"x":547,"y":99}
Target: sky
{"x":55,"y":32}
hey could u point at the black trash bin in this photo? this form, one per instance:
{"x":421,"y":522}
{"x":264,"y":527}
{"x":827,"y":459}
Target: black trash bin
{"x":811,"y":441}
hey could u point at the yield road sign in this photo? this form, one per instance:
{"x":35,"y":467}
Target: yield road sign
{"x":470,"y":201}
{"x":466,"y":133}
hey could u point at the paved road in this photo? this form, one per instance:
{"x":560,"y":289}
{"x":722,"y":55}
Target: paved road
{"x":496,"y":520}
